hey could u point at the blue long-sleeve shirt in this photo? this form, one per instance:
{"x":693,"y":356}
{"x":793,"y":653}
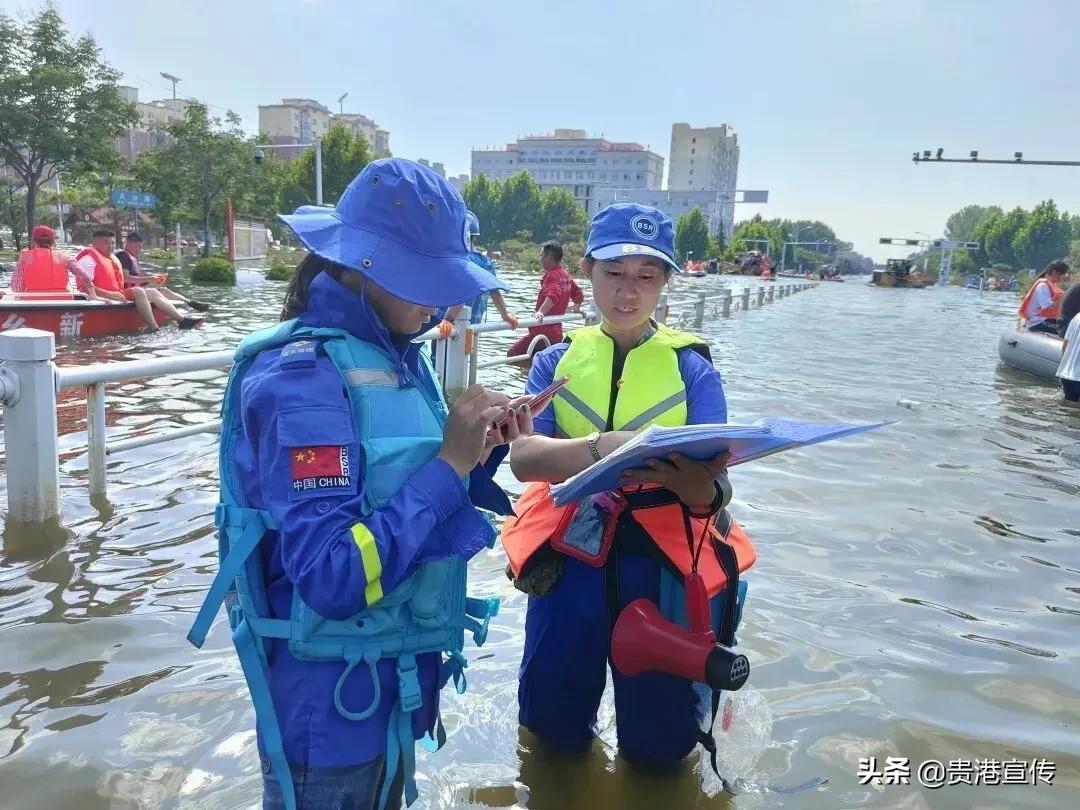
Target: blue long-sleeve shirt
{"x":293,"y":404}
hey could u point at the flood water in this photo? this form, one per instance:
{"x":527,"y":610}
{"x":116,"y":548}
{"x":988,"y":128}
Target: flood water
{"x":917,"y":590}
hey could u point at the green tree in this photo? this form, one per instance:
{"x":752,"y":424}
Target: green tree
{"x":519,"y":207}
{"x":996,"y":235}
{"x":1044,"y":236}
{"x":755,"y":234}
{"x":155,"y":173}
{"x":483,"y":197}
{"x":13,"y":208}
{"x":203,"y":163}
{"x":344,"y":156}
{"x":59,"y":107}
{"x":692,"y":235}
{"x":963,"y":224}
{"x":560,"y":216}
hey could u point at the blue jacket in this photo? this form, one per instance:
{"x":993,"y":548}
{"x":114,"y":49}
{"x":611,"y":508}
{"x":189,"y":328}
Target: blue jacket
{"x":431,"y":517}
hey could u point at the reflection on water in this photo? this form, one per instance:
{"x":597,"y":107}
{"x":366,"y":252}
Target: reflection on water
{"x":916,"y":593}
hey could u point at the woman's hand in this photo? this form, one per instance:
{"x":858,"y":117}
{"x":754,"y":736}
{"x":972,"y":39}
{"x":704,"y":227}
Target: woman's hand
{"x":692,"y":481}
{"x":465,"y":434}
{"x":520,"y":424}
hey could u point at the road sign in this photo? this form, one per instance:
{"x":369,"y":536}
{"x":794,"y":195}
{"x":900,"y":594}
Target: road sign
{"x":126,"y":198}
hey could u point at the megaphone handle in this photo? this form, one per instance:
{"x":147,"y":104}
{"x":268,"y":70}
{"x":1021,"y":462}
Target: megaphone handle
{"x":698,"y":610}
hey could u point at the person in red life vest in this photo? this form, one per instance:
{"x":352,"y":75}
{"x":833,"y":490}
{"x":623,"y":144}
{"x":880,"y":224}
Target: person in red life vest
{"x":42,"y":267}
{"x":133,"y":275}
{"x":1041,"y":307}
{"x":100,"y":275}
{"x":583,"y":564}
{"x":557,"y":291}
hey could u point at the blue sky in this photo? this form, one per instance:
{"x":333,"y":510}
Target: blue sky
{"x":829,"y":97}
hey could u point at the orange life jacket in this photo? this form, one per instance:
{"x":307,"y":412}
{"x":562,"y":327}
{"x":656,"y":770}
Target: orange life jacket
{"x":46,"y":270}
{"x":108,"y":274}
{"x":645,"y":395}
{"x":1052,"y":311}
{"x":536,"y":516}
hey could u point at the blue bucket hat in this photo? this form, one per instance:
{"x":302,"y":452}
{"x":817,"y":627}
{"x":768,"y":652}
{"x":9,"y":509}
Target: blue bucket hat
{"x":403,"y":227}
{"x":629,"y":229}
{"x":474,"y":223}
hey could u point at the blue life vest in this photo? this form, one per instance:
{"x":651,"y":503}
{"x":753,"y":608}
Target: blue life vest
{"x":428,"y":612}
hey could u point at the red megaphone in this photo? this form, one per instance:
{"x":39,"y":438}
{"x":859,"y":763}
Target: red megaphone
{"x":644,"y":641}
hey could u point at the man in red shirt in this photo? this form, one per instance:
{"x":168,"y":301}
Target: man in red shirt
{"x":557,"y":291}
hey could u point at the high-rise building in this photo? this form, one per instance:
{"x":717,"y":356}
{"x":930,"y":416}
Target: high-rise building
{"x":568,"y":159}
{"x":152,"y":115}
{"x":302,"y":120}
{"x":706,"y":159}
{"x":294,"y":120}
{"x":378,"y":139}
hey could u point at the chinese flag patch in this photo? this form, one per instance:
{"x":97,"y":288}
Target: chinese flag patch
{"x":320,"y":468}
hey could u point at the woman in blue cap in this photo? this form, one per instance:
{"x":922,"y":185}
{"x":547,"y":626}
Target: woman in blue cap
{"x":625,"y":374}
{"x":349,"y":496}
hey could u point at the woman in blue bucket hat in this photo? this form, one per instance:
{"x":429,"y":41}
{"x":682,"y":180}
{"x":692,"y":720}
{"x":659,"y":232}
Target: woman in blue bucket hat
{"x":349,"y":496}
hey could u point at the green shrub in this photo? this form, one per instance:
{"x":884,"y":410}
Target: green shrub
{"x":279,"y":272}
{"x":215,"y":270}
{"x":159,"y":254}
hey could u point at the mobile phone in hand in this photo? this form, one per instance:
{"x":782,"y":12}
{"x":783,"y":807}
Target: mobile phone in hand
{"x":539,"y":401}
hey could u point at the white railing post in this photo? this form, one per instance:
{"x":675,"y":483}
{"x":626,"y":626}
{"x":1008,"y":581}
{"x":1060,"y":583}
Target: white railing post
{"x":726,"y":303}
{"x":699,"y":310}
{"x":661,"y":309}
{"x":474,"y":356}
{"x":769,"y":294}
{"x":31,"y":451}
{"x":452,"y":357}
{"x":745,"y":299}
{"x":95,"y":437}
{"x":760,"y":296}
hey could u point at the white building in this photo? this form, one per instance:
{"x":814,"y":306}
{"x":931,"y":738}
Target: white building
{"x":294,"y":120}
{"x":568,"y":159}
{"x":436,"y":167}
{"x":302,"y":120}
{"x":378,"y":139}
{"x":459,"y":182}
{"x":705,"y":159}
{"x":152,"y":115}
{"x":717,"y":210}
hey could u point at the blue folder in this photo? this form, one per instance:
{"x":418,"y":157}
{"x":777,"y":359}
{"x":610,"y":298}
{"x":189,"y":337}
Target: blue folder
{"x":700,"y":442}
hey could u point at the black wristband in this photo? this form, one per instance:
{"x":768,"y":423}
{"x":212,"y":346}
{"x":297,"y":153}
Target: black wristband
{"x":714,"y":507}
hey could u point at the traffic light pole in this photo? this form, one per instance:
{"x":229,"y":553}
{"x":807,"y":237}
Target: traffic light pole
{"x":1018,"y":160}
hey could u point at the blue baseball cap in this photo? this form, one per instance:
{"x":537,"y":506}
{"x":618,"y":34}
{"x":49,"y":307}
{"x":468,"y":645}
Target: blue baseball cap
{"x":629,"y":229}
{"x":403,"y":227}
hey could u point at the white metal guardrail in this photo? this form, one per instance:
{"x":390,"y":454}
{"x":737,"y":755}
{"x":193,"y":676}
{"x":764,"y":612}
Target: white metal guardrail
{"x":30,"y":382}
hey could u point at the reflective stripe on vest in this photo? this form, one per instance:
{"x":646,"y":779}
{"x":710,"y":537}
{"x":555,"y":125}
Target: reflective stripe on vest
{"x":400,"y":424}
{"x":108,"y":274}
{"x":46,"y":270}
{"x":650,"y":392}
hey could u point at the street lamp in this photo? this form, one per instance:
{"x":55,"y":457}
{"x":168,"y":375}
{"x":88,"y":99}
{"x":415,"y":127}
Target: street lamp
{"x":173,"y":79}
{"x":318,"y":160}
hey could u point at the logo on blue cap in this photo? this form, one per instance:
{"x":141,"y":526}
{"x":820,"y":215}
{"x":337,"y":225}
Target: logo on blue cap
{"x":644,"y":227}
